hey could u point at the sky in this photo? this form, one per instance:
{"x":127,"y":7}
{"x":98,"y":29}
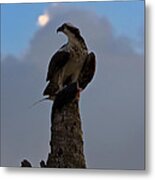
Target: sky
{"x":119,"y":14}
{"x":112,"y":107}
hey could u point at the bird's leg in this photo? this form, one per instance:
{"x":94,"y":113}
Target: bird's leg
{"x":78,"y":93}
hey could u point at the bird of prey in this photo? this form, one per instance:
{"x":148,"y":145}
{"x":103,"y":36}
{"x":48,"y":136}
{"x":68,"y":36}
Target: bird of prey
{"x":66,"y":64}
{"x":72,"y":91}
{"x":71,"y":68}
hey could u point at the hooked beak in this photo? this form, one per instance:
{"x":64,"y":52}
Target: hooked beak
{"x":60,"y":29}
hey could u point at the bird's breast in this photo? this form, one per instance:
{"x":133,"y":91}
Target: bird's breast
{"x":78,"y":55}
{"x":74,"y":65}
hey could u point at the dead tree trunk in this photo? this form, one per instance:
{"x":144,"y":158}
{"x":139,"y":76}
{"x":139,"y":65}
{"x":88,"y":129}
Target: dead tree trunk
{"x":66,"y":138}
{"x":66,"y":132}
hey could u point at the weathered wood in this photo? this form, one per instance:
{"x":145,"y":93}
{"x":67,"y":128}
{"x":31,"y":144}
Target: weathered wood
{"x":66,"y":138}
{"x":66,"y":134}
{"x":25,"y":163}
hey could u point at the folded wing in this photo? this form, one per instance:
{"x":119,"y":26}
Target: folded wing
{"x":55,"y":68}
{"x":88,"y":71}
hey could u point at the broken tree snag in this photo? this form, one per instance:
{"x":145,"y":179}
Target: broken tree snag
{"x":66,"y":137}
{"x":25,"y":163}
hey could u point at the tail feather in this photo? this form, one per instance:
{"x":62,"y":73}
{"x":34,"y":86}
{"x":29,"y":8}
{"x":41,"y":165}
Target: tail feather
{"x":51,"y":89}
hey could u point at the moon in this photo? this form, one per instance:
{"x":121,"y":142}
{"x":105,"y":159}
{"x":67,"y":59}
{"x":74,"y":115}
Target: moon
{"x":43,"y":19}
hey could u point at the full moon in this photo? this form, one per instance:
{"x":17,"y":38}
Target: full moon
{"x":43,"y":19}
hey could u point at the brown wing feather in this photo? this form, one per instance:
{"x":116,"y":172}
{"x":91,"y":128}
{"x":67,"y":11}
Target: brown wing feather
{"x":50,"y":89}
{"x":88,"y":70}
{"x":57,"y":63}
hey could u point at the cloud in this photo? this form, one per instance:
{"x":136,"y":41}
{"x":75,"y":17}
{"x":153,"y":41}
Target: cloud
{"x":112,"y":107}
{"x":43,"y":19}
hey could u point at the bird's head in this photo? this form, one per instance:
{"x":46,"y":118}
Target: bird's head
{"x":69,"y":30}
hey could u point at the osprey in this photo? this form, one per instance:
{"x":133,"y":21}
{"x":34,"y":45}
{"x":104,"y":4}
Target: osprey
{"x":70,"y":64}
{"x":72,"y":91}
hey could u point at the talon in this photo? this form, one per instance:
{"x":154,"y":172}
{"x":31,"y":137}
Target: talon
{"x":78,"y":93}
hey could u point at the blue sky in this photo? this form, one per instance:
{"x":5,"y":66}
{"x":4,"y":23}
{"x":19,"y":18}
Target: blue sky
{"x":19,"y":21}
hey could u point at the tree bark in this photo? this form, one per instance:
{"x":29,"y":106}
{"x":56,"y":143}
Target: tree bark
{"x":66,"y":138}
{"x":66,"y":132}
